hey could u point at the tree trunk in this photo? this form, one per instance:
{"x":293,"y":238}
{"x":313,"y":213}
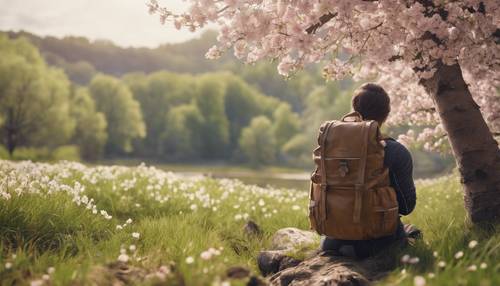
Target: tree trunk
{"x":11,"y":133}
{"x":476,"y":151}
{"x":11,"y":145}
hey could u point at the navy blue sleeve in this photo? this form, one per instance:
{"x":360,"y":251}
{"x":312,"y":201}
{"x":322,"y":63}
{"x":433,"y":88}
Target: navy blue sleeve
{"x":398,"y":160}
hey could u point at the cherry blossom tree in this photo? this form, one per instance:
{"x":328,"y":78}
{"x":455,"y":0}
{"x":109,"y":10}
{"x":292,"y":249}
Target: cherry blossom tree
{"x":439,"y":59}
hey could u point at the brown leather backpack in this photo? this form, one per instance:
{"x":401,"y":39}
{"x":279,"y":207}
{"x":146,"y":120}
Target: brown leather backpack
{"x":351,"y":197}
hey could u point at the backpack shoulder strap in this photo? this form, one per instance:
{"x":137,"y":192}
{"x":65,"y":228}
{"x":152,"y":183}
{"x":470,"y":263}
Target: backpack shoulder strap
{"x":386,"y":137}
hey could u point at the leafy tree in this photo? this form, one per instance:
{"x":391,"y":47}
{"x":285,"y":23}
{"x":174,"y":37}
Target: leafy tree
{"x":263,"y":75}
{"x":157,"y":93}
{"x":80,"y":72}
{"x":242,"y":103}
{"x":122,"y":111}
{"x":34,"y":99}
{"x":90,"y":132}
{"x":258,"y":143}
{"x":215,"y":131}
{"x":297,"y":151}
{"x":326,"y":102}
{"x":182,"y":136}
{"x":286,"y":124}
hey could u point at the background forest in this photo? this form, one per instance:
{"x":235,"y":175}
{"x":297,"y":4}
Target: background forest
{"x":93,"y":101}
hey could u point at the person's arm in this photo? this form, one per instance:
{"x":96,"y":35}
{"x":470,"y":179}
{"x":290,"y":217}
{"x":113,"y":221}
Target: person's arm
{"x":400,"y":164}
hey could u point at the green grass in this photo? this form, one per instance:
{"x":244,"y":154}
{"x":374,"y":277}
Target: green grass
{"x":441,"y":216}
{"x":45,"y":222}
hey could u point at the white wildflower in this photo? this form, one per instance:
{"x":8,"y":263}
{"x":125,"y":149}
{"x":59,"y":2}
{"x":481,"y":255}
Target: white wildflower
{"x":419,"y":281}
{"x":51,"y":270}
{"x":414,"y":260}
{"x":441,"y":264}
{"x":459,"y":255}
{"x":189,"y":260}
{"x":132,"y":247}
{"x":123,"y":257}
{"x":473,"y":243}
{"x":38,"y":282}
{"x":8,"y":265}
{"x":472,"y":268}
{"x":405,"y":258}
{"x":206,"y":255}
{"x":136,"y":235}
{"x":483,"y":265}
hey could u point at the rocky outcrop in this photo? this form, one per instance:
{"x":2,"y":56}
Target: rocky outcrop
{"x":283,"y":267}
{"x":286,"y":243}
{"x":252,"y":229}
{"x":325,"y":269}
{"x":272,"y":261}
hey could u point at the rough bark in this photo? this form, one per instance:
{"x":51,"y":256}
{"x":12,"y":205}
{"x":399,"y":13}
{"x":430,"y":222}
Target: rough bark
{"x":11,"y":141}
{"x":476,"y":151}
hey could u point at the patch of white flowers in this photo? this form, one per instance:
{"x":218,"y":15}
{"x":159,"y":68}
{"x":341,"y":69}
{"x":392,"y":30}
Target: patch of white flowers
{"x":198,"y":193}
{"x":145,"y":187}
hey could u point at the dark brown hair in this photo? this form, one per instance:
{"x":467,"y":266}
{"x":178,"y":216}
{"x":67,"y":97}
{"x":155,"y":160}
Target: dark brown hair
{"x":372,"y":102}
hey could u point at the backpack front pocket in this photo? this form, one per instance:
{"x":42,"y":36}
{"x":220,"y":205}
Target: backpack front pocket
{"x":385,"y":212}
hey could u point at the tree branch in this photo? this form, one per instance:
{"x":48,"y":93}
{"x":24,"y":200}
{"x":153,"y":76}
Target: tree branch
{"x":322,"y":20}
{"x":430,"y":109}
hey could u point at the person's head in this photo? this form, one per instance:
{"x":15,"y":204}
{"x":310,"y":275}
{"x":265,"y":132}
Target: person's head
{"x":372,"y":102}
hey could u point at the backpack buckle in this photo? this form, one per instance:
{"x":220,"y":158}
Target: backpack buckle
{"x":343,"y":168}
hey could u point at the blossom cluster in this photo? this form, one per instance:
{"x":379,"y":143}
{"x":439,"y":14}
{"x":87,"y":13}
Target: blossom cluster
{"x":400,"y":41}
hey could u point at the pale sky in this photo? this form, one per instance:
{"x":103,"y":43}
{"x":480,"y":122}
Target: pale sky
{"x":125,"y":22}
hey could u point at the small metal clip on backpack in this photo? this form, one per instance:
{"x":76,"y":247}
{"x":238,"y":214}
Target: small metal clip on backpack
{"x":351,"y":197}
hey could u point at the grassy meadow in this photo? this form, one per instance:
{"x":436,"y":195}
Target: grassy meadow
{"x":67,"y":223}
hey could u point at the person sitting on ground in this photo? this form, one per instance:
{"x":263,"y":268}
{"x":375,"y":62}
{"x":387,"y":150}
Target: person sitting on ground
{"x":373,"y":103}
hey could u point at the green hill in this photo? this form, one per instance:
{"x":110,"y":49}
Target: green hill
{"x":106,"y":57}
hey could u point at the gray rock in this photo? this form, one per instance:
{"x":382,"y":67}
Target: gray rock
{"x":252,"y":229}
{"x":322,"y":270}
{"x":269,"y":261}
{"x":237,"y":272}
{"x":291,"y":238}
{"x":272,"y":261}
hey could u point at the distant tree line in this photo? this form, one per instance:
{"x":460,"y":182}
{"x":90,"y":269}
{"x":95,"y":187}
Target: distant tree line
{"x":96,"y":100}
{"x":163,"y":116}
